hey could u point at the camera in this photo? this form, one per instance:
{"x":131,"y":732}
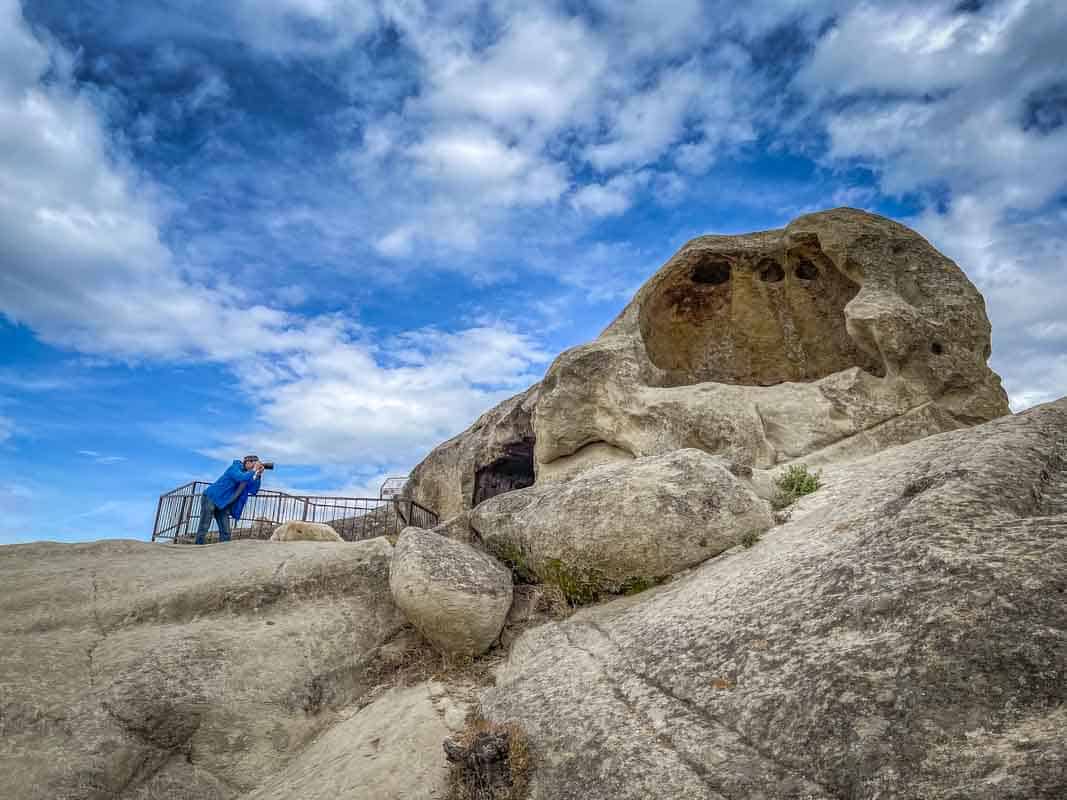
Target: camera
{"x":267,"y":464}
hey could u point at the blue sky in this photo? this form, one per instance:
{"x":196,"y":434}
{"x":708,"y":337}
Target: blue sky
{"x":333,"y":232}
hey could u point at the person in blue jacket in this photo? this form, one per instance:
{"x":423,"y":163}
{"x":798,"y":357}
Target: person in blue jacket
{"x":226,"y":497}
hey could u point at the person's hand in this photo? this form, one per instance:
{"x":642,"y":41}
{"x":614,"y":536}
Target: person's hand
{"x":259,"y":469}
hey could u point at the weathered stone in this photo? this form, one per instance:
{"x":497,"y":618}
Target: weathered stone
{"x":390,"y":750}
{"x":621,"y":527}
{"x":494,"y":454}
{"x":777,"y":345}
{"x":304,"y":532}
{"x":130,"y":668}
{"x":456,"y":596}
{"x":904,"y":635}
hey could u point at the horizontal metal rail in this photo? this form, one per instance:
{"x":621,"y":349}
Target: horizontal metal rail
{"x":354,"y":518}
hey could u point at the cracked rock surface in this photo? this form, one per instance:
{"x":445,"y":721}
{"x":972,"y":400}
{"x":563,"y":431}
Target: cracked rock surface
{"x":903,"y":635}
{"x":389,"y":749}
{"x":135,"y":670}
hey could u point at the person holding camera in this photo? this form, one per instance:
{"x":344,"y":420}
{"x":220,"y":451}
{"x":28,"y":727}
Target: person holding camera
{"x":226,"y":497}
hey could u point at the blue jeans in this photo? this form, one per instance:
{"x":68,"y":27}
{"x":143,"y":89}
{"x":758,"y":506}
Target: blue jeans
{"x":221,"y":515}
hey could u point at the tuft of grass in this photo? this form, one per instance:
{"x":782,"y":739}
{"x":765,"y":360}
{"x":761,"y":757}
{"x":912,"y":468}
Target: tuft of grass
{"x":750,"y":538}
{"x":794,"y":483}
{"x":505,"y":780}
{"x":553,"y":602}
{"x":409,"y":660}
{"x":638,"y":584}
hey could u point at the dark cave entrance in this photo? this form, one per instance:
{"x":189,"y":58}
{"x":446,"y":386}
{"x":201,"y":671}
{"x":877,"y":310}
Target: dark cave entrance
{"x":513,"y":470}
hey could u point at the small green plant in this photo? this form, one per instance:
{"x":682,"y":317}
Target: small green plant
{"x":638,"y":584}
{"x":794,"y":483}
{"x":750,"y":538}
{"x":579,"y":585}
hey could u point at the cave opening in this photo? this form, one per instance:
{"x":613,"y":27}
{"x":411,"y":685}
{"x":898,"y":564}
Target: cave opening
{"x":713,"y":271}
{"x":513,"y":470}
{"x":756,"y":317}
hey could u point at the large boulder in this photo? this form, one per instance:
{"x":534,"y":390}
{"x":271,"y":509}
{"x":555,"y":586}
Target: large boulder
{"x":492,"y":456}
{"x":456,"y":596}
{"x":904,"y":635}
{"x":622,"y":526}
{"x":305,"y":532}
{"x":772,"y":346}
{"x":142,"y":670}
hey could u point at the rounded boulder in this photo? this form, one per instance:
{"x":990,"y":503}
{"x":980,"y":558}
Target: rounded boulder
{"x":457,"y":597}
{"x":305,"y":532}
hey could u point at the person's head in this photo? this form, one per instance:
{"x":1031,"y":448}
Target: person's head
{"x":250,"y":462}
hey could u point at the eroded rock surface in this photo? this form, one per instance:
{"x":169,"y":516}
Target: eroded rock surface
{"x":133,"y":670}
{"x":622,"y":526}
{"x":456,"y":596}
{"x":492,"y":456}
{"x":390,"y":750}
{"x":770,"y":346}
{"x":832,"y":338}
{"x":904,"y":635}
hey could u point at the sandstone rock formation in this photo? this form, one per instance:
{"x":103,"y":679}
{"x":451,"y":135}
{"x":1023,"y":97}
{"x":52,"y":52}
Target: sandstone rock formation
{"x":843,"y":328}
{"x":304,"y":532}
{"x":136,"y":670}
{"x":834,"y":337}
{"x":495,"y":454}
{"x":622,"y":526}
{"x":456,"y":596}
{"x":904,"y":635}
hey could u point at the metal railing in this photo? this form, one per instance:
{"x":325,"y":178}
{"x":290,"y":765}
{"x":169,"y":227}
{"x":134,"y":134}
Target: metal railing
{"x":354,"y":518}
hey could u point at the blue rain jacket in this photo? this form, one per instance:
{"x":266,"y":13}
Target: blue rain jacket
{"x":222,"y":491}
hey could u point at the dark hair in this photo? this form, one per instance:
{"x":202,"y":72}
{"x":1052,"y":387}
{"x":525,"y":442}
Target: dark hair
{"x":249,"y":458}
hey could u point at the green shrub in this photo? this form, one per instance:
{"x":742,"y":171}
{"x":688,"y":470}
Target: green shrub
{"x":794,"y":483}
{"x":750,"y":538}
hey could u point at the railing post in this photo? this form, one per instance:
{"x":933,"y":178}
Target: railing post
{"x":184,"y":512}
{"x":155,"y":525}
{"x":305,"y":517}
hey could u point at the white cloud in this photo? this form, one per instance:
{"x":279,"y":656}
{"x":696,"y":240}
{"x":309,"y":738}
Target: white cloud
{"x":510,"y":112}
{"x":349,"y":401}
{"x":607,"y":199}
{"x":474,"y":159}
{"x":536,"y":77}
{"x":7,"y":429}
{"x":288,"y":28}
{"x":644,"y":124}
{"x":99,"y":458}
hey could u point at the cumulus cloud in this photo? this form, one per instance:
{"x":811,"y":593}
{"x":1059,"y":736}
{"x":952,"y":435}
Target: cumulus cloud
{"x":288,"y":28}
{"x":609,"y":198}
{"x":342,"y":400}
{"x":515,"y":112}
